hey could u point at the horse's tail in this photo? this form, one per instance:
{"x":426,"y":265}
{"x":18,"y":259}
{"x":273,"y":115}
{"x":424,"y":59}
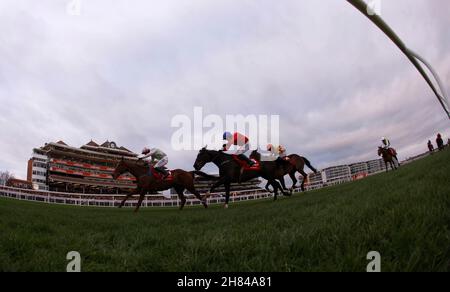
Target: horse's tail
{"x":202,"y":174}
{"x":308,"y":163}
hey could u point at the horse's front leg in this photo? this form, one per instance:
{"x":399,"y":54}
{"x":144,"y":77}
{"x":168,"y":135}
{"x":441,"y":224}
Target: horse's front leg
{"x":124,"y":201}
{"x":275,"y":186}
{"x":305,"y":177}
{"x":227,"y":194}
{"x":398,"y":162}
{"x":294,"y":179}
{"x":283,"y":184}
{"x":183,"y":201}
{"x":181,"y":196}
{"x":267,"y":187}
{"x":220,"y":182}
{"x":193,"y":191}
{"x":126,"y":198}
{"x":278,"y":185}
{"x":141,"y":198}
{"x":284,"y":188}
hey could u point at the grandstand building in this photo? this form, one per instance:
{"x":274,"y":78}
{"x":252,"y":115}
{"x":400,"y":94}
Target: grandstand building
{"x":359,"y":170}
{"x":18,"y":183}
{"x":315,"y":181}
{"x":37,"y":170}
{"x":88,"y":169}
{"x":344,"y":173}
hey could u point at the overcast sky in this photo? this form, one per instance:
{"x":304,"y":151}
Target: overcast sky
{"x":122,"y":69}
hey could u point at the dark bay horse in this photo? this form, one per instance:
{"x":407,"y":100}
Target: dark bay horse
{"x":181,"y":180}
{"x":388,"y":157}
{"x":230,"y":172}
{"x":295,"y":163}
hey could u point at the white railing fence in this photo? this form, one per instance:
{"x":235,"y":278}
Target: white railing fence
{"x":115,"y":200}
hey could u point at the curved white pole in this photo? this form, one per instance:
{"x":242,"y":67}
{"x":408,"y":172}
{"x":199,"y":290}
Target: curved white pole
{"x":443,"y":96}
{"x":378,"y":21}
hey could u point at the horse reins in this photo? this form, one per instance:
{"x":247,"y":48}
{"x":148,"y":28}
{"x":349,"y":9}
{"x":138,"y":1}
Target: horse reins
{"x":223,"y":163}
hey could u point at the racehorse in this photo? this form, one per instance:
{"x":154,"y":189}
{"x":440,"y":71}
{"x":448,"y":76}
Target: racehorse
{"x":178,"y":179}
{"x":230,"y":170}
{"x":281,"y":167}
{"x":388,"y":157}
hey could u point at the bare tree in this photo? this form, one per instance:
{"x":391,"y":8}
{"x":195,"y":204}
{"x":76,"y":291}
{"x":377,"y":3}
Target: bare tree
{"x":4,"y":177}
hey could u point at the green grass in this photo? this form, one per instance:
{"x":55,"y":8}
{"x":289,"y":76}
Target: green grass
{"x":404,"y":215}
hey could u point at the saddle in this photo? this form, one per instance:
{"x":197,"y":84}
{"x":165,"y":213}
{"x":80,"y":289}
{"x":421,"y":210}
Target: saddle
{"x":159,"y":176}
{"x":285,"y":160}
{"x":393,"y":151}
{"x":245,"y":165}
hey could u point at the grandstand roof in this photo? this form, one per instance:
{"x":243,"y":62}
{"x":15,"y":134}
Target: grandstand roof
{"x":124,"y":149}
{"x":106,"y":144}
{"x":107,"y":153}
{"x":16,"y":180}
{"x":62,"y":143}
{"x":92,"y":143}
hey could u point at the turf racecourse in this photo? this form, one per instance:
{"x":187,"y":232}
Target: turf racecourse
{"x":404,"y":215}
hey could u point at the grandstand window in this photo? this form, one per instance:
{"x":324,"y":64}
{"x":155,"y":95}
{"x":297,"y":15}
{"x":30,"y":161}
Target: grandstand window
{"x":39,"y":164}
{"x":39,"y":173}
{"x":39,"y":181}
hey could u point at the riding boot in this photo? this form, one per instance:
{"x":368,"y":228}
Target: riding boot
{"x":246,"y":159}
{"x":163,"y":171}
{"x":280,"y":161}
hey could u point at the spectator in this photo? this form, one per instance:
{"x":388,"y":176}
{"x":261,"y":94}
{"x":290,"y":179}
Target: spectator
{"x":440,"y":142}
{"x":430,"y":146}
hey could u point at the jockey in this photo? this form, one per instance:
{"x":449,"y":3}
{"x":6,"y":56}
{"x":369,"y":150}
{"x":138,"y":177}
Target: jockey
{"x":158,"y":159}
{"x":386,"y":143}
{"x":282,"y":151}
{"x":387,"y":146}
{"x":278,"y":151}
{"x":242,"y":142}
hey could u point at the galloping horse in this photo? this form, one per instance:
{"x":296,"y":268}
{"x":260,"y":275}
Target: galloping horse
{"x":230,"y":172}
{"x":179,"y":180}
{"x":290,"y":166}
{"x":388,"y":157}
